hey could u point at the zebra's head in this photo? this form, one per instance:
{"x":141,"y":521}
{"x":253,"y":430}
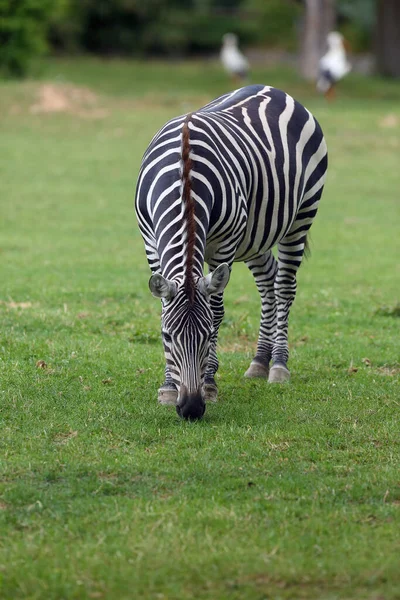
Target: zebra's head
{"x":187,"y":329}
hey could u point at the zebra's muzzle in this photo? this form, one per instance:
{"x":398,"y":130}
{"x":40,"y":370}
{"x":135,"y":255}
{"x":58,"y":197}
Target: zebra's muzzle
{"x":190,"y":406}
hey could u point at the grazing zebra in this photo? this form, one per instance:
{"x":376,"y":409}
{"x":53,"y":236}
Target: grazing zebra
{"x":227,"y":183}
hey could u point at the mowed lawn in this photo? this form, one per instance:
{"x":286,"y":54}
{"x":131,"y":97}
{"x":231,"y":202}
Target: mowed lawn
{"x":280,"y":492}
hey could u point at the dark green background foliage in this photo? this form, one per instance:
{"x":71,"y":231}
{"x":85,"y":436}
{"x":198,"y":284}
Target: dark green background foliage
{"x":23,"y":30}
{"x":171,"y":26}
{"x":180,"y":26}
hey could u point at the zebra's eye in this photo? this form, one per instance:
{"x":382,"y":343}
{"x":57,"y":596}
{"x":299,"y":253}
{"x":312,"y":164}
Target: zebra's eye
{"x":167,"y":337}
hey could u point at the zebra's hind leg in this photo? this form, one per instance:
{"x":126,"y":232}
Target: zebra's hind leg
{"x":210,"y":389}
{"x":264,"y":270}
{"x":290,"y":254}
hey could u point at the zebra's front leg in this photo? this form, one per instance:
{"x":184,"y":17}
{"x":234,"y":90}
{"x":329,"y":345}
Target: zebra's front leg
{"x":289,"y":260}
{"x":209,"y":385}
{"x":168,"y":392}
{"x":264,"y":270}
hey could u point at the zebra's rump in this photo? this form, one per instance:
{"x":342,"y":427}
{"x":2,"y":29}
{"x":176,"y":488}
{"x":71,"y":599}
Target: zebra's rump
{"x":257,"y":156}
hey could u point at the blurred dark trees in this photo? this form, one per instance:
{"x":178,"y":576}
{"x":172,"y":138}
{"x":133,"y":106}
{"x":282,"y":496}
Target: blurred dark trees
{"x":388,"y":37}
{"x":169,"y":27}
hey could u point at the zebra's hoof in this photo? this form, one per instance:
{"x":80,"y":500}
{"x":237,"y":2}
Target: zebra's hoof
{"x":167,"y":395}
{"x":210,"y":392}
{"x":256,"y":369}
{"x":278,"y":374}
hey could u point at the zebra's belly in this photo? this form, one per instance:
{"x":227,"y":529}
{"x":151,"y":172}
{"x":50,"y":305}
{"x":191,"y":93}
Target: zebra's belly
{"x":247,"y":247}
{"x":262,"y":234}
{"x":259,"y":225}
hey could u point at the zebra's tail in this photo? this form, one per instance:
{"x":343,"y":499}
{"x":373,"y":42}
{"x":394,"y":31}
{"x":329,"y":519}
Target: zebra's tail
{"x":189,"y":209}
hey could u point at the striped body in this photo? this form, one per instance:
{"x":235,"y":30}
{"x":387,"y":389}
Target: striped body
{"x":253,"y":163}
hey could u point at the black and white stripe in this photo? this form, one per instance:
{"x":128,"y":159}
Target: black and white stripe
{"x":258,"y":165}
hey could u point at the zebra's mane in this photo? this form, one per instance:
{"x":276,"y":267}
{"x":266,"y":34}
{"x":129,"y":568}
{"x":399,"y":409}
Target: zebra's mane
{"x":189,"y":210}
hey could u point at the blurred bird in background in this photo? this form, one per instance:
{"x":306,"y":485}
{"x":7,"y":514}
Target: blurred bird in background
{"x":234,"y":62}
{"x":333,"y":66}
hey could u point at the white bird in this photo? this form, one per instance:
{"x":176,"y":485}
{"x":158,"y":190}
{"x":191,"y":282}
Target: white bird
{"x":234,"y":62}
{"x":333,"y":65}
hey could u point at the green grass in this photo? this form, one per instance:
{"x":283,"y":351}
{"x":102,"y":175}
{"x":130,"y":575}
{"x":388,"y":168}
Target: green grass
{"x":280,"y":492}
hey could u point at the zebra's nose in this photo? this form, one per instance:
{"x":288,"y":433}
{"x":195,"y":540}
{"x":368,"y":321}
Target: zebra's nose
{"x":190,"y":406}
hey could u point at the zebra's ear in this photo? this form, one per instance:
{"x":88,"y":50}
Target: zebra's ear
{"x":215,"y":282}
{"x":161,"y":287}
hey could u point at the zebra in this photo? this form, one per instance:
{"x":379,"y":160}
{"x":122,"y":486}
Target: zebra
{"x":226,"y":183}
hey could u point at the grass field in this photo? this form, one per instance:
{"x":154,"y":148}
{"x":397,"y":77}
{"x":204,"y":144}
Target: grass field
{"x":288,"y":492}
